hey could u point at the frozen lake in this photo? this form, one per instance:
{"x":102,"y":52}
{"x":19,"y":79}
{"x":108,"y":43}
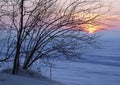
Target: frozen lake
{"x":97,"y":67}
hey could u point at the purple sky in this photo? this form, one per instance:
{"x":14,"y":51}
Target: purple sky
{"x":115,"y":5}
{"x":115,"y":11}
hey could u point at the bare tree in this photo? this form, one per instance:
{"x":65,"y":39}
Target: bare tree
{"x":39,"y":29}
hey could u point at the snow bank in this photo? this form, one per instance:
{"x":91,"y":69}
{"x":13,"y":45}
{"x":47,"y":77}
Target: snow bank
{"x":8,"y":79}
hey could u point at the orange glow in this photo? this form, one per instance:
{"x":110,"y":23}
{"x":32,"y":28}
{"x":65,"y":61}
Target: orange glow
{"x":100,"y":22}
{"x":91,"y":28}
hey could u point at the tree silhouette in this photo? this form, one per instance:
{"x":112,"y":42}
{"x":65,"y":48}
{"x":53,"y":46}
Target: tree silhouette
{"x":38,"y":29}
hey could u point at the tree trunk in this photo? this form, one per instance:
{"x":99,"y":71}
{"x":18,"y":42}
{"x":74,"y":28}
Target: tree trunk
{"x":15,"y":65}
{"x":19,"y":40}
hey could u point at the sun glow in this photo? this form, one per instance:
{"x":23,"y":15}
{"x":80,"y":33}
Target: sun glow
{"x":91,"y":28}
{"x":96,"y":22}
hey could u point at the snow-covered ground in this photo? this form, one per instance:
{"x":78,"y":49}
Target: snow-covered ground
{"x":97,"y":67}
{"x":8,"y":79}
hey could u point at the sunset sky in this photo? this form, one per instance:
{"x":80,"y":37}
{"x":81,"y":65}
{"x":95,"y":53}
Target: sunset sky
{"x":113,"y":32}
{"x":115,"y":12}
{"x":110,"y":20}
{"x":115,"y":6}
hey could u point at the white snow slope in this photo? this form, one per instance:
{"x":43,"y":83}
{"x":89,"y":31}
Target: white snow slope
{"x":7,"y":79}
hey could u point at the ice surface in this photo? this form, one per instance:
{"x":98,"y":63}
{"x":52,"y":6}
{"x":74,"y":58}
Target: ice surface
{"x":97,"y":67}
